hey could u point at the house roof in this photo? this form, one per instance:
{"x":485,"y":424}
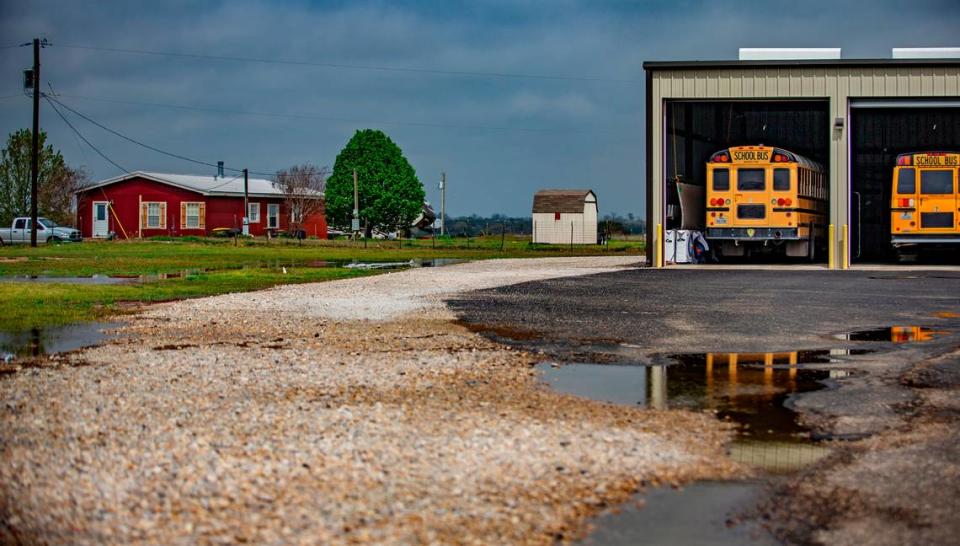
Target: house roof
{"x":560,"y":200}
{"x":204,"y":185}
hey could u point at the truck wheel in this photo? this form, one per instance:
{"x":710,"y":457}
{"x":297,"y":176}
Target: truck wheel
{"x":53,"y":240}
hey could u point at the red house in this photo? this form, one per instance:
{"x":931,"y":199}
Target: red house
{"x":144,"y":204}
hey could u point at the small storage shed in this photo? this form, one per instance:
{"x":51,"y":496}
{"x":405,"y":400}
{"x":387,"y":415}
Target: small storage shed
{"x":565,"y":217}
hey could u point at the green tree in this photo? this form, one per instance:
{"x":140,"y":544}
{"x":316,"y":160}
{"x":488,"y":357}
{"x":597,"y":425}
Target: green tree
{"x":56,"y":181}
{"x":391,"y":195}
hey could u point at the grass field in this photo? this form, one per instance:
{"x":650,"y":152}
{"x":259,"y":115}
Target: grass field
{"x":215,"y":266}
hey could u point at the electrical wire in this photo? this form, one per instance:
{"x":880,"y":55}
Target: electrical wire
{"x":147,"y":146}
{"x":79,"y":134}
{"x":379,"y":68}
{"x":337,"y":119}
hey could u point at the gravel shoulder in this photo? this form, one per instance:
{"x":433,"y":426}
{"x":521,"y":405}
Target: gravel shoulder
{"x":346,"y":412}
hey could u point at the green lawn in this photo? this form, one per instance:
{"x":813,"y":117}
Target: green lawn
{"x":216,"y":266}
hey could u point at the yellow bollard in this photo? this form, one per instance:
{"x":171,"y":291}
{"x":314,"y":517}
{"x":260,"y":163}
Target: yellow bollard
{"x":832,"y":247}
{"x":845,"y":249}
{"x":660,"y":247}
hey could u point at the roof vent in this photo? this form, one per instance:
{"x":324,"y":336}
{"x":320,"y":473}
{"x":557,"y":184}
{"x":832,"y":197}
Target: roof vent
{"x":788,"y":53}
{"x":220,"y":169}
{"x":926,"y":53}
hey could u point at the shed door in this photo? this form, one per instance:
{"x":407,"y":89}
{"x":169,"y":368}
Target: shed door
{"x":101,"y":222}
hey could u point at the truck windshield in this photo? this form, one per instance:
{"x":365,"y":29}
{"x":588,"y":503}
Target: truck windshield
{"x":50,"y":224}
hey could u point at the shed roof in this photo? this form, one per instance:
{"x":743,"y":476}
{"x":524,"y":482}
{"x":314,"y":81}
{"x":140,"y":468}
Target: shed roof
{"x":560,"y":200}
{"x":204,"y":185}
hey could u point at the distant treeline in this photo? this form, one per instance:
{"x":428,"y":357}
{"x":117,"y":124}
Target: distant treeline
{"x":475,"y":226}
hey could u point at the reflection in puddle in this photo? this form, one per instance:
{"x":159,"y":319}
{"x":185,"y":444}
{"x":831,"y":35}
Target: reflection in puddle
{"x":747,"y":388}
{"x":749,"y":395}
{"x":37,"y":341}
{"x":895,"y":334}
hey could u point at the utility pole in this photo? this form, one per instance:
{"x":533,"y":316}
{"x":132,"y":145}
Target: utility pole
{"x":443,"y":203}
{"x":246,"y":204}
{"x":355,"y":224}
{"x":35,"y":153}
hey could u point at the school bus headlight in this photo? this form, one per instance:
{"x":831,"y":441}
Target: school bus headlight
{"x":728,"y":202}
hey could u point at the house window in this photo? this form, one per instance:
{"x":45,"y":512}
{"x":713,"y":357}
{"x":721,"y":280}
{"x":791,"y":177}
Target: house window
{"x":153,"y":215}
{"x":253,"y":213}
{"x":273,"y":215}
{"x":192,"y":215}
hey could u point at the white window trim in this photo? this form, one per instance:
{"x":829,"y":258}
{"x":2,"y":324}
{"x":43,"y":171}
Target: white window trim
{"x":253,"y":213}
{"x":158,"y":216}
{"x":273,"y":216}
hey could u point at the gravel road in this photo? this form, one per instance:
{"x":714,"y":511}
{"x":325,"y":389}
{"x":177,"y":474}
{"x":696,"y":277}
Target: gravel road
{"x":348,"y":412}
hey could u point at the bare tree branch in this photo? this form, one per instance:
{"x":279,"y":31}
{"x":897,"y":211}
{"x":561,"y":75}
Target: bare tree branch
{"x":302,"y":187}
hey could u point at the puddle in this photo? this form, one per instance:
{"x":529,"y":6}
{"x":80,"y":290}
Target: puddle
{"x":696,"y":514}
{"x":438,"y":262}
{"x":749,"y":389}
{"x":894,"y":334}
{"x":184,"y":273}
{"x":44,"y":341}
{"x":93,"y":279}
{"x":732,"y":385}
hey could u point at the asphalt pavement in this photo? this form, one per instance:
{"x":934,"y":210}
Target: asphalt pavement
{"x":624,"y":315}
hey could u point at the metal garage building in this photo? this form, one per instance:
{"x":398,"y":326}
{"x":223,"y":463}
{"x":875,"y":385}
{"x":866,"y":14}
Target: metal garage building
{"x":852,"y":116}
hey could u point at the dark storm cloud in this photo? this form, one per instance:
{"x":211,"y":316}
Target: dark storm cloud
{"x":498,"y":138}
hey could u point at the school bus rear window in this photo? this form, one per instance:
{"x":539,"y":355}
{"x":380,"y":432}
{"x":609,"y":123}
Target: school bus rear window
{"x":781,"y":179}
{"x":751,"y":180}
{"x":936,"y":182}
{"x":721,"y":180}
{"x":907,"y":181}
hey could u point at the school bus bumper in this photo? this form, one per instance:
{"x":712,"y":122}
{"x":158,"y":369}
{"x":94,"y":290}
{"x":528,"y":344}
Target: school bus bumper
{"x":753,"y":234}
{"x":931,"y":239}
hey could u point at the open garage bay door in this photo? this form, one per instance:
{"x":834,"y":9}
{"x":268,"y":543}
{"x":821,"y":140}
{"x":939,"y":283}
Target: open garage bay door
{"x":879,"y":131}
{"x":694,"y":130}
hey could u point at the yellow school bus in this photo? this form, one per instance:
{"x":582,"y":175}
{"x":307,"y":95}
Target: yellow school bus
{"x":765,"y":199}
{"x":925,"y":201}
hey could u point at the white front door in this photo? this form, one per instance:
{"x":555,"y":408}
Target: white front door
{"x":101,"y":219}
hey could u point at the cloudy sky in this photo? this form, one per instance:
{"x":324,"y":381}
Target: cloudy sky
{"x":506,"y":96}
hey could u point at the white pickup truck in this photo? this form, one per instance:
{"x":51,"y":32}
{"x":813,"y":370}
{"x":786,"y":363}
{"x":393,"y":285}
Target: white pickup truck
{"x":47,"y":232}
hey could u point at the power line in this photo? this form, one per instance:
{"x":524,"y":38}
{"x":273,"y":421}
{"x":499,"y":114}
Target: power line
{"x":79,"y":134}
{"x":379,"y":68}
{"x":334,"y":118}
{"x":147,"y":146}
